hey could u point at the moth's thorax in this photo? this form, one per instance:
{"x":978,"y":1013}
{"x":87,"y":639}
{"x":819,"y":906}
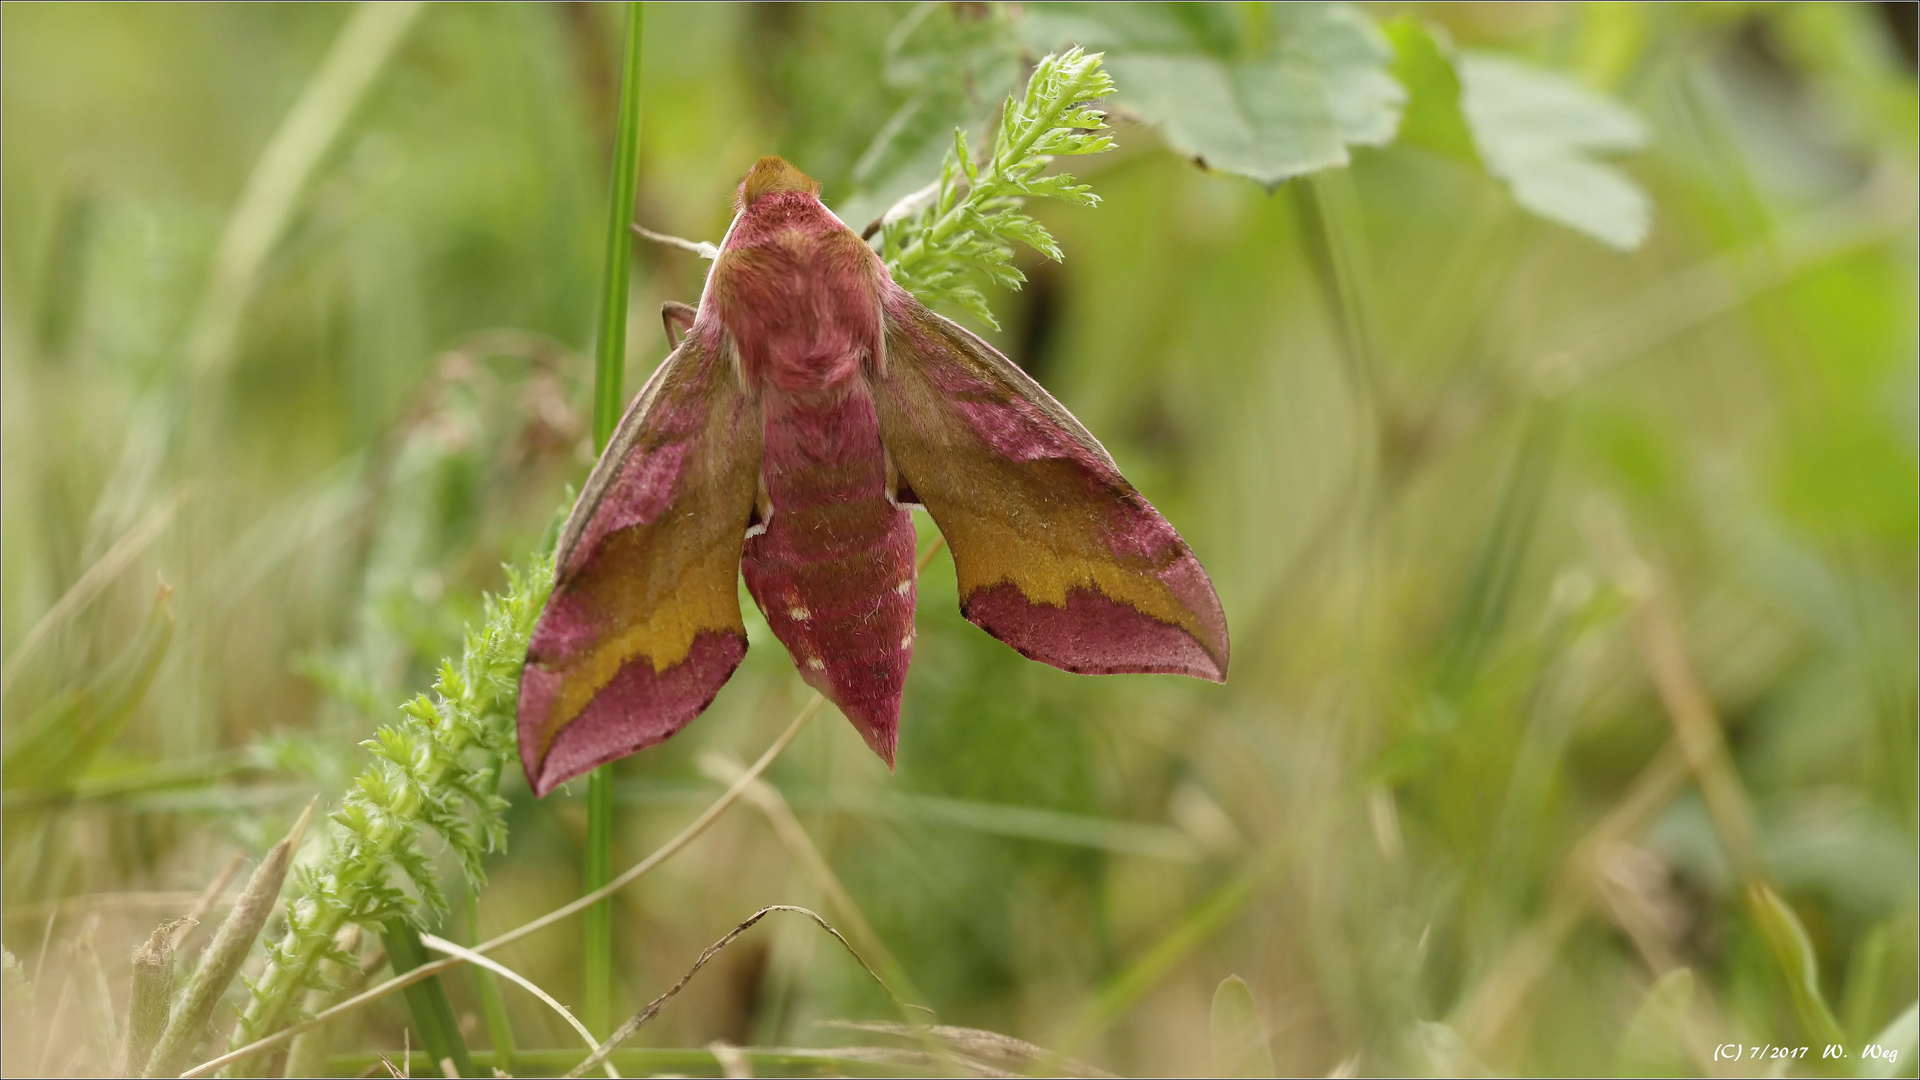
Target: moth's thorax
{"x":799,"y":293}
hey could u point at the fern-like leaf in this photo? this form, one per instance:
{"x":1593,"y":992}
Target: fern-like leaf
{"x":438,"y":768}
{"x":963,"y":236}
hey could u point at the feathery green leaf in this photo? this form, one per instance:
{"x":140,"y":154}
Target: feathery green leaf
{"x":963,"y":235}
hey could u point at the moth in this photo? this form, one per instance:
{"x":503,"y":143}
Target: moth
{"x":810,"y":404}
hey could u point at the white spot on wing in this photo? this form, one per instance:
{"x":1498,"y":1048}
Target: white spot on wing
{"x":799,"y":614}
{"x":904,"y":587}
{"x":816,"y":663}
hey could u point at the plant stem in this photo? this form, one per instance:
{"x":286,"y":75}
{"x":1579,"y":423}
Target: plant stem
{"x":426,"y":1000}
{"x":149,"y":999}
{"x":610,"y":351}
{"x":596,"y":1007}
{"x":499,"y":1026}
{"x":224,"y":956}
{"x":609,"y":361}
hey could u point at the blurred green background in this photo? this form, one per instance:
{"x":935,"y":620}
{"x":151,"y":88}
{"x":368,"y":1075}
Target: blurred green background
{"x":1494,"y":510}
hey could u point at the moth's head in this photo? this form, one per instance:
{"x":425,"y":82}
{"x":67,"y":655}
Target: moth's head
{"x":770,"y":175}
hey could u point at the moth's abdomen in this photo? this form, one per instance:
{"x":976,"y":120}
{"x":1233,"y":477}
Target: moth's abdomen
{"x":833,"y":571}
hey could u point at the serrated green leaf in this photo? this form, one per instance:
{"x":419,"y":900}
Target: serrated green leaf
{"x":1266,"y":91}
{"x":942,"y":251}
{"x":437,"y":769}
{"x":1543,"y":134}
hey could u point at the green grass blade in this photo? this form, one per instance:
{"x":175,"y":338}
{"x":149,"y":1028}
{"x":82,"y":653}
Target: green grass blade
{"x":1787,"y":940}
{"x":427,"y":1000}
{"x":499,"y":1024}
{"x":609,"y":361}
{"x":610,"y":350}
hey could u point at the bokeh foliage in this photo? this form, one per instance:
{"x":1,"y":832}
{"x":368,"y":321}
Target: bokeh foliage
{"x":1474,"y":455}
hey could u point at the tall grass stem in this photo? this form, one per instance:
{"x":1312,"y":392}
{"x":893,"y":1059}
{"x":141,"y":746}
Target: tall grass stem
{"x":596,"y":1005}
{"x":499,"y":1025}
{"x":610,"y":348}
{"x":610,"y":355}
{"x":427,"y":1000}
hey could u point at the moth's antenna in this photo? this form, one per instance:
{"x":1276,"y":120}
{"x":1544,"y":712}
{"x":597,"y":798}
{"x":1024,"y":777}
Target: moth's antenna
{"x":909,"y":204}
{"x":698,"y":247}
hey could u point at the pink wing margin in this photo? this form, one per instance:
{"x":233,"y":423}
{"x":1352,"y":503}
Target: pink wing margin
{"x":643,"y":626}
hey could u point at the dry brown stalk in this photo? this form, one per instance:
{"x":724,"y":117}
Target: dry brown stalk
{"x":988,"y":1046}
{"x":442,"y":945}
{"x":149,"y":998}
{"x":228,"y":950}
{"x":644,"y":1016}
{"x":793,"y":835}
{"x":1696,"y":723}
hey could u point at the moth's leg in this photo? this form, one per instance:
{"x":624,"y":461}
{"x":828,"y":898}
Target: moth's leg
{"x":676,"y":316}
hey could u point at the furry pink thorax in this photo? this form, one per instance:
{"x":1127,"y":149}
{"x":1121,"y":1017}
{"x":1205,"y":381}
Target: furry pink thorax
{"x":799,"y":295}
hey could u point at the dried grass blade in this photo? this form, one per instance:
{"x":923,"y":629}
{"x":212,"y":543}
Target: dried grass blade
{"x":90,"y":584}
{"x":440,"y":944}
{"x":801,"y":846}
{"x":976,"y":1042}
{"x":646,"y":1015}
{"x":101,"y":1023}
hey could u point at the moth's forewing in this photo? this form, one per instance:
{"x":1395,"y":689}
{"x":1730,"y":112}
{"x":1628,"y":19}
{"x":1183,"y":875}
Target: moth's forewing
{"x":1057,"y":555}
{"x":644,"y":625}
